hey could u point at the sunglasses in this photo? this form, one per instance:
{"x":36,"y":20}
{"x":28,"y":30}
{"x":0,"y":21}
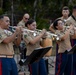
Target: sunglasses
{"x":27,"y":18}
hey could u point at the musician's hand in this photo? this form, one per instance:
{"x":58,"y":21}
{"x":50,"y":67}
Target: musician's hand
{"x":75,"y":28}
{"x":43,"y":31}
{"x":18,"y":30}
{"x":71,"y":26}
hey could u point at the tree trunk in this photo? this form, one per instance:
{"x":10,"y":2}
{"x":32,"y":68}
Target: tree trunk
{"x":35,"y":7}
{"x":1,"y":3}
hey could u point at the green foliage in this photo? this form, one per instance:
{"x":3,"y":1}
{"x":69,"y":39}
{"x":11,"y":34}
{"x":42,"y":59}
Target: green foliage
{"x":43,"y":23}
{"x":1,"y":11}
{"x":41,"y":10}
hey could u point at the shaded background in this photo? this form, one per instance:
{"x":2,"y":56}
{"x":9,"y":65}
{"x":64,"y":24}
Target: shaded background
{"x":43,"y":11}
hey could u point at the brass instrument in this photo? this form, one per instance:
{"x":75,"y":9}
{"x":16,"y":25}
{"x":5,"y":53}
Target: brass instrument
{"x":45,"y":42}
{"x":12,"y":28}
{"x":27,"y":30}
{"x":48,"y":33}
{"x":72,"y":32}
{"x":48,"y":41}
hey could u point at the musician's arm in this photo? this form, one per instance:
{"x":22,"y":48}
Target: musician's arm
{"x":10,"y":38}
{"x":62,"y":37}
{"x":51,"y":28}
{"x":15,"y":37}
{"x":17,"y":40}
{"x":67,"y":33}
{"x":28,"y":39}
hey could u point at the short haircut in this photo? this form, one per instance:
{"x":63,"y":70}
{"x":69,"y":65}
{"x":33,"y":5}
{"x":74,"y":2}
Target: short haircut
{"x":29,"y":22}
{"x":55,"y":23}
{"x":74,"y":7}
{"x":65,"y":8}
{"x":1,"y":17}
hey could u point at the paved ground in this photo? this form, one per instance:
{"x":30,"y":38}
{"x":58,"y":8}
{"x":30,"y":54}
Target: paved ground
{"x":51,"y":67}
{"x":51,"y":62}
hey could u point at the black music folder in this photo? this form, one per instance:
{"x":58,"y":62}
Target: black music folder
{"x":73,"y":50}
{"x":36,"y":55}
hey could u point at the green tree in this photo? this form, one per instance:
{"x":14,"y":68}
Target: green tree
{"x":43,"y":11}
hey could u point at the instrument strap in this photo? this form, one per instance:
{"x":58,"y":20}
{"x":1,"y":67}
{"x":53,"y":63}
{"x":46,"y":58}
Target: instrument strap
{"x":73,"y":17}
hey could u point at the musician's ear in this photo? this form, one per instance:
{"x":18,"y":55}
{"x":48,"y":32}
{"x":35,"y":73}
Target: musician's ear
{"x":56,"y":27}
{"x":0,"y":21}
{"x":28,"y":25}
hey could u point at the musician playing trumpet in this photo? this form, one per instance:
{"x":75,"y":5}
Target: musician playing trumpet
{"x":7,"y":40}
{"x":63,"y":64}
{"x":32,"y":41}
{"x":72,"y":19}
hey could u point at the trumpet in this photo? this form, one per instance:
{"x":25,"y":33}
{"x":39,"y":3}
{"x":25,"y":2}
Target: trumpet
{"x":13,"y":28}
{"x":49,"y":34}
{"x":24,"y":30}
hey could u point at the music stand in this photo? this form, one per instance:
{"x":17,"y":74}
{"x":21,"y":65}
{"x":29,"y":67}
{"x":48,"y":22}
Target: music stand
{"x":36,"y":55}
{"x":73,"y":50}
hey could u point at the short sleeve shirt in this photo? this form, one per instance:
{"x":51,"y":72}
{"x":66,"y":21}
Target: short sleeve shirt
{"x":27,"y":37}
{"x":63,"y":45}
{"x":69,"y":21}
{"x":5,"y":49}
{"x":22,"y":23}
